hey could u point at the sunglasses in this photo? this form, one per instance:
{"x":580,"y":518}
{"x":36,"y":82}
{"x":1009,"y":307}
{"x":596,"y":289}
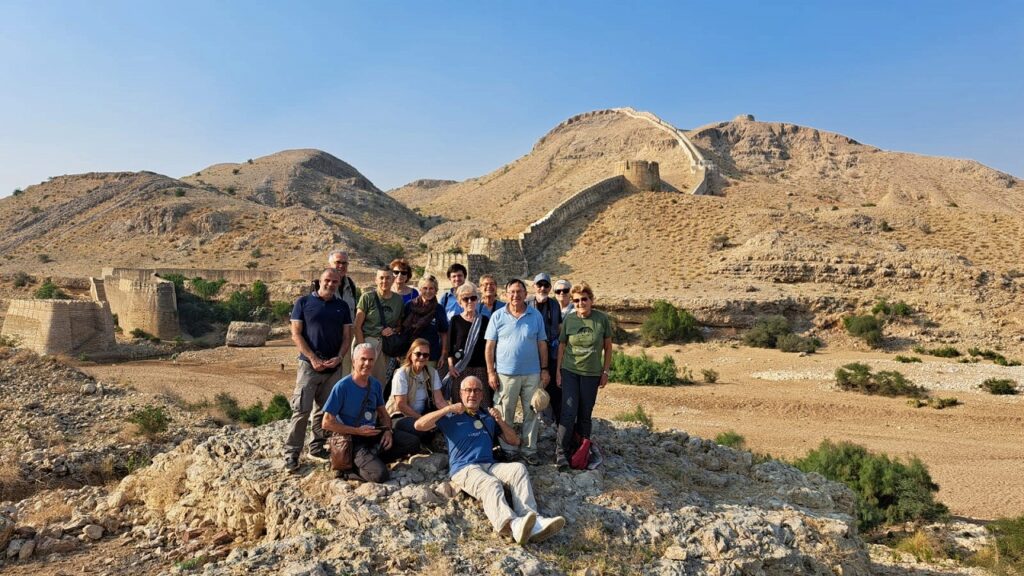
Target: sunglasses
{"x":581,"y":299}
{"x":421,"y":354}
{"x":473,"y":390}
{"x":543,"y":285}
{"x":469,"y":298}
{"x":562,"y":291}
{"x":400,"y":272}
{"x":341,"y":263}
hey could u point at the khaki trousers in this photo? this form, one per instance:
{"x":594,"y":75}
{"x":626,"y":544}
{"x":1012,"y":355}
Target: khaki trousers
{"x":486,"y":483}
{"x":511,"y":390}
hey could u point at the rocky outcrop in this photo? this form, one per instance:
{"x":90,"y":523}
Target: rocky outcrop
{"x":247,"y":334}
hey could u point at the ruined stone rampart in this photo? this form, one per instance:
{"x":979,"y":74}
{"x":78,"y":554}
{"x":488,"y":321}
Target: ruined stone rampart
{"x":61,"y":326}
{"x":149,"y":305}
{"x":231,"y":276}
{"x":438,"y":263}
{"x":698,"y":165}
{"x":539,"y":234}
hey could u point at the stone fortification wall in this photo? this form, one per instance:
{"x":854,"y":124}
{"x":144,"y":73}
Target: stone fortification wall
{"x":698,"y":165}
{"x":232,"y":276}
{"x":148,"y":304}
{"x":61,"y":326}
{"x":504,"y":258}
{"x":540,"y":233}
{"x":438,"y":263}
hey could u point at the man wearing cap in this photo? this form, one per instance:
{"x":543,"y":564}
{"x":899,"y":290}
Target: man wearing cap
{"x":551,"y":312}
{"x":470,"y":433}
{"x":517,"y":364}
{"x":321,"y":327}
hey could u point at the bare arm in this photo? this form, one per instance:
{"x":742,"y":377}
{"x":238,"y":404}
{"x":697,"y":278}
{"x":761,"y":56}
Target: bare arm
{"x":542,"y":350}
{"x":303,"y":346}
{"x":332,"y":424}
{"x":607,"y":361}
{"x":508,"y":434}
{"x":558,"y":371}
{"x":404,"y":407}
{"x":492,"y":371}
{"x":428,"y":421}
{"x":357,"y":328}
{"x":346,"y":341}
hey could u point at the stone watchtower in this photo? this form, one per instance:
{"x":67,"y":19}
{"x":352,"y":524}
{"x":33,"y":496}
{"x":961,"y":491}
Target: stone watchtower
{"x":641,"y":174}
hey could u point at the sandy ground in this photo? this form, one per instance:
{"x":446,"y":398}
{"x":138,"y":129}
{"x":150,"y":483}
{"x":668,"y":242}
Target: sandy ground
{"x":782,"y":404}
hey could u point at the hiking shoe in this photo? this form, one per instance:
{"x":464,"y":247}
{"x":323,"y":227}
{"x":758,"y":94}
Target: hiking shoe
{"x":291,"y":464}
{"x":545,"y":528}
{"x":531,"y":459}
{"x":522,"y":528}
{"x":320,"y":453}
{"x":562,"y":464}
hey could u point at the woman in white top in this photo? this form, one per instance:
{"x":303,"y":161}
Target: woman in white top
{"x":413,"y":384}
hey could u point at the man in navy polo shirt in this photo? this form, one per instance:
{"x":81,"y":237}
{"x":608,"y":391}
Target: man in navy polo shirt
{"x":322,"y":331}
{"x":471,"y":433}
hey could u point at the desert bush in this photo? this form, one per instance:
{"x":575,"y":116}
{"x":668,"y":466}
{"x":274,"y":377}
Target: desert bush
{"x":1001,"y":386}
{"x":206,"y":288}
{"x":941,"y":351}
{"x":256,"y":253}
{"x":797,"y":343}
{"x":638,"y":414}
{"x":9,"y":341}
{"x":710,"y":375}
{"x":866,"y":327}
{"x":49,"y":291}
{"x":619,"y":334}
{"x":21,"y":279}
{"x":732,"y":439}
{"x":228,"y":405}
{"x":923,"y":546}
{"x":280,"y":310}
{"x":1006,"y":556}
{"x":151,"y":420}
{"x":884,"y":226}
{"x":642,"y":371}
{"x":18,"y":192}
{"x":994,"y":356}
{"x":252,"y":264}
{"x":858,"y":377}
{"x":179,"y":192}
{"x":666,"y":323}
{"x":393,"y":251}
{"x":943,"y":403}
{"x":766,"y":331}
{"x":885,"y":308}
{"x":719,"y":241}
{"x":907,"y":359}
{"x":257,"y":415}
{"x":888,"y":490}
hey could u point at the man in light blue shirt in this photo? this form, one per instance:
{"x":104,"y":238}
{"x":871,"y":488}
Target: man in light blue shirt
{"x":517,"y":364}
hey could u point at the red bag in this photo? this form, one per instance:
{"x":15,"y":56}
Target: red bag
{"x":581,"y":458}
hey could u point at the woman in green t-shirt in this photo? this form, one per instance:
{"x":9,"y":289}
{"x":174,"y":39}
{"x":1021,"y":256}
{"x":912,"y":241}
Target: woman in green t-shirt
{"x":584,"y":356}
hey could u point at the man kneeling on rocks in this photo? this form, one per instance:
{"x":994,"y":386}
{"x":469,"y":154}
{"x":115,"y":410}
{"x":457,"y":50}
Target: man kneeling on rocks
{"x":471,"y":434}
{"x":355,"y":406}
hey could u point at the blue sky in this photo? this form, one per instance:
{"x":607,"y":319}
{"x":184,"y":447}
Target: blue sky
{"x":406,"y":90}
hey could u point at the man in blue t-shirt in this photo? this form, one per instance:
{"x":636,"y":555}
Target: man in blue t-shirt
{"x":355,"y":406}
{"x":517,"y":364}
{"x":471,"y":433}
{"x":321,"y":325}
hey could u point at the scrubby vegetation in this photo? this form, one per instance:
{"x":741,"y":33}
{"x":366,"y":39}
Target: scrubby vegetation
{"x":21,"y":279}
{"x":866,"y":327}
{"x":256,"y":415}
{"x":666,"y":323}
{"x":775,"y":332}
{"x":888,"y":490}
{"x":940,"y":352}
{"x":49,"y":291}
{"x":1006,"y":556}
{"x":859,"y":378}
{"x":1001,"y":386}
{"x":732,"y":439}
{"x":197,"y":313}
{"x":994,"y":356}
{"x":907,"y":359}
{"x":642,"y":371}
{"x":151,"y":420}
{"x":710,"y":375}
{"x":638,"y":414}
{"x":891,"y":310}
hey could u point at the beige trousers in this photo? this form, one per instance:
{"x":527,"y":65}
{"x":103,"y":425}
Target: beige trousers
{"x":486,"y":483}
{"x":511,"y":390}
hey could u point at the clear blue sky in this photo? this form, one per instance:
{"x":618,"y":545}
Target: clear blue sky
{"x":406,"y":90}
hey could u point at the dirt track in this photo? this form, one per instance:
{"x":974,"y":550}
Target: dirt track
{"x":975,"y":452}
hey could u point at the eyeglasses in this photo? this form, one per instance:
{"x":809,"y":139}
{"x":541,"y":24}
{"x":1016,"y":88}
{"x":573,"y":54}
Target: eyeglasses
{"x":543,"y":286}
{"x":421,"y":354}
{"x":469,"y":298}
{"x":400,"y":272}
{"x":473,"y":390}
{"x":562,"y":291}
{"x":580,"y":299}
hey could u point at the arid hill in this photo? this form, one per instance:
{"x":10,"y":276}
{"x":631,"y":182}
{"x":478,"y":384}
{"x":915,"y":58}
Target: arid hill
{"x":280,"y":211}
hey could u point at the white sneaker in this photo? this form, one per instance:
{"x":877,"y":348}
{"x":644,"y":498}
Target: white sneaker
{"x":522,"y":528}
{"x":545,"y":528}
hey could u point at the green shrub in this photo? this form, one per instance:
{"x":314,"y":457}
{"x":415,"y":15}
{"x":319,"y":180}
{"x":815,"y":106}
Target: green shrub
{"x":228,"y":404}
{"x":797,"y":343}
{"x":907,"y":359}
{"x":941,"y":351}
{"x":9,"y":341}
{"x":666,"y":323}
{"x":642,"y":371}
{"x":719,"y":241}
{"x":206,"y":288}
{"x":888,"y":490}
{"x":179,"y":192}
{"x":44,"y":258}
{"x":866,"y":327}
{"x":1001,"y":386}
{"x":901,"y":308}
{"x":636,"y":415}
{"x":619,"y":334}
{"x":995,"y":357}
{"x":252,"y":264}
{"x":280,"y":310}
{"x":151,"y":420}
{"x":766,"y":331}
{"x":884,"y":226}
{"x":731,"y":439}
{"x":858,"y":377}
{"x":256,"y":415}
{"x":942,"y":403}
{"x":49,"y":291}
{"x":18,"y":192}
{"x":21,"y":279}
{"x":1007,"y":554}
{"x":394,"y":251}
{"x":710,"y":375}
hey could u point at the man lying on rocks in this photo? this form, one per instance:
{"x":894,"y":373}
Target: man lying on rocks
{"x":355,"y":406}
{"x":471,"y":434}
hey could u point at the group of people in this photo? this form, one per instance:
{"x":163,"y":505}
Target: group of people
{"x":472,"y":361}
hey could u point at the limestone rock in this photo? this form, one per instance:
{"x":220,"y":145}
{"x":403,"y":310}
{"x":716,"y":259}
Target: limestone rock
{"x":6,"y":529}
{"x":27,"y":549}
{"x":93,"y":531}
{"x":247,"y":334}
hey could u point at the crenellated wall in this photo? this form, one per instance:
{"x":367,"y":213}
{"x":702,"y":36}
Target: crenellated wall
{"x":61,"y":326}
{"x":148,"y":304}
{"x":698,"y":165}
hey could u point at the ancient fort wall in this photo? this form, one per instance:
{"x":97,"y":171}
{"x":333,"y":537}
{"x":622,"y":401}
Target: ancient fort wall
{"x":698,"y":165}
{"x":61,"y":326}
{"x":231,"y":276}
{"x":149,"y":305}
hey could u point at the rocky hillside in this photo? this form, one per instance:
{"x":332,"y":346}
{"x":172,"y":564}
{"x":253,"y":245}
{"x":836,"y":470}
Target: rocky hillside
{"x":280,"y":212}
